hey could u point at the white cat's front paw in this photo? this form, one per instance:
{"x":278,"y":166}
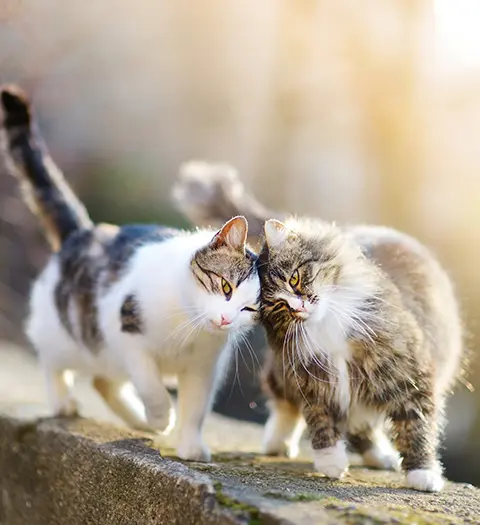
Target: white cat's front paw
{"x":161,"y":421}
{"x":331,"y":461}
{"x":66,"y":407}
{"x":275,"y":446}
{"x":426,"y":480}
{"x":380,"y":458}
{"x":194,"y":450}
{"x":280,"y":448}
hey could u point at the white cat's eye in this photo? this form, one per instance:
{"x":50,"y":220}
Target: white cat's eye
{"x":227,"y":289}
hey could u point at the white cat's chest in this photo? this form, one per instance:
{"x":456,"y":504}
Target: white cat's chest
{"x":176,"y":354}
{"x":177,"y":339}
{"x":331,"y":347}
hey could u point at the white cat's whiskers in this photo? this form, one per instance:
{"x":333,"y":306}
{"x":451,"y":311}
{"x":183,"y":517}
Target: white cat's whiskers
{"x":195,"y":326}
{"x":251,"y":352}
{"x":238,"y":348}
{"x":236,"y":377}
{"x":183,"y":325}
{"x":181,"y":311}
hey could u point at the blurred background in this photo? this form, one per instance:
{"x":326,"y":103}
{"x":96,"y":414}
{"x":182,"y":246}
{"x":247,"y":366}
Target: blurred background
{"x":353,"y":111}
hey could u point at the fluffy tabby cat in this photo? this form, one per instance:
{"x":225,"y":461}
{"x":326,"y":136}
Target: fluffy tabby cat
{"x":132,"y":303}
{"x":365,"y":330}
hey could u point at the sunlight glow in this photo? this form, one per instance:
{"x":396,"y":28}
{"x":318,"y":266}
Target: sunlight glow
{"x":457,"y":33}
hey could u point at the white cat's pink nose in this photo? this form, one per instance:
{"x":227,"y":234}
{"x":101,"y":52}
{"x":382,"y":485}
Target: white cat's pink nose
{"x":225,"y":321}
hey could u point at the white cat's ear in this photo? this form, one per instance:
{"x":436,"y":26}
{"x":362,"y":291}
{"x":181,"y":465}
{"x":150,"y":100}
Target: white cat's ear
{"x":276,"y":233}
{"x":232,"y":234}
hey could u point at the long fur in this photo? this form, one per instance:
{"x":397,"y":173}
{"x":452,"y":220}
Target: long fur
{"x":371,"y":340}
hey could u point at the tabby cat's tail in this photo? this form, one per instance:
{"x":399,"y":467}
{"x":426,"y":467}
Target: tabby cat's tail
{"x":45,"y":190}
{"x":211,"y":194}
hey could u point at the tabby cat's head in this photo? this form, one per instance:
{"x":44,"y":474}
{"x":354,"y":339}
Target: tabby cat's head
{"x":307,"y":269}
{"x":226,"y":275}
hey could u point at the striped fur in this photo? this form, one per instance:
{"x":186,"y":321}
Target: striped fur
{"x":44,"y":187}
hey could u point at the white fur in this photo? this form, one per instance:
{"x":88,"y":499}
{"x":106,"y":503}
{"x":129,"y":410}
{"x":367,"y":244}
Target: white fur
{"x":382,"y":455}
{"x":170,"y":300}
{"x":426,"y":480}
{"x":283,"y":431}
{"x":331,"y":461}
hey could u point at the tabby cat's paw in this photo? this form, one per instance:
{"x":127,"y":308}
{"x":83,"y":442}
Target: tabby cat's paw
{"x":426,"y":480}
{"x":331,"y":461}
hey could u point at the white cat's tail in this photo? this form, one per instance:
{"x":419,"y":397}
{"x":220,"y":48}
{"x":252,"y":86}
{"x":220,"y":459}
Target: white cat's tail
{"x":211,"y":194}
{"x":44,"y":188}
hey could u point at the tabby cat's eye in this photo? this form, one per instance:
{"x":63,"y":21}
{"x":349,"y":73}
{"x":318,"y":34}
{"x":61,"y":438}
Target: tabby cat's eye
{"x":227,"y":289}
{"x":294,"y":279}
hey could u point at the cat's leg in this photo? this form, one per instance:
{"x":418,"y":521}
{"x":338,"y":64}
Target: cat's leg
{"x":197,"y":384}
{"x":59,"y":391}
{"x":329,"y":450}
{"x":146,"y":380}
{"x":366,"y":435}
{"x":285,"y":424}
{"x":417,"y":438}
{"x":375,"y":448}
{"x":283,"y":430}
{"x":111,"y":392}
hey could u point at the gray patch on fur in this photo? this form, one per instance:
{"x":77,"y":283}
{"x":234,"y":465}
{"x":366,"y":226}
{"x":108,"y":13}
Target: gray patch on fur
{"x":90,"y":262}
{"x":130,"y":317}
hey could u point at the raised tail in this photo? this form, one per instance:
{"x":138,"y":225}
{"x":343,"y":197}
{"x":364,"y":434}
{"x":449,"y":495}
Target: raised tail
{"x":44,"y":188}
{"x":211,"y":194}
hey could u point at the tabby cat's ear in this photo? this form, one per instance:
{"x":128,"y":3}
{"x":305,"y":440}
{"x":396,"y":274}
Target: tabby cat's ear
{"x":232,"y":234}
{"x":276,"y":233}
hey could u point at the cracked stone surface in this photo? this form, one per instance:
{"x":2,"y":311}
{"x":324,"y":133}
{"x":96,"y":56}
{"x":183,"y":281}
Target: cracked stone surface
{"x":93,"y":471}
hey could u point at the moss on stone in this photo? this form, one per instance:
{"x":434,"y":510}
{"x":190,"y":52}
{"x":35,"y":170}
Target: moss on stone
{"x":237,"y":506}
{"x":352,"y":514}
{"x":297,"y":497}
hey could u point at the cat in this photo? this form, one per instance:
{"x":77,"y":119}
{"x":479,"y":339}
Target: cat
{"x":366,"y":334}
{"x":133,"y":303}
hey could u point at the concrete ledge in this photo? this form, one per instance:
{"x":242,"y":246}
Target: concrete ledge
{"x":80,"y":472}
{"x":73,"y":472}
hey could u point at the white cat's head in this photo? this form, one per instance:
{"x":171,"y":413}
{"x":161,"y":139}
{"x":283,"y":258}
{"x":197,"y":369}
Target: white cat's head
{"x":227,"y":285}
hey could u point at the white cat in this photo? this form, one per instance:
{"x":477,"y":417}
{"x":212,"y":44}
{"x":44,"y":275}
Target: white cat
{"x":133,"y":303}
